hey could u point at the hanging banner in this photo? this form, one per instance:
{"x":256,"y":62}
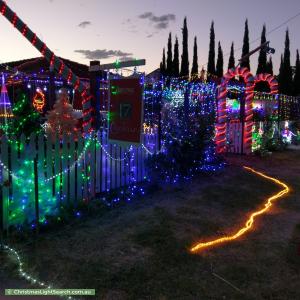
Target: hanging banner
{"x":125,"y":110}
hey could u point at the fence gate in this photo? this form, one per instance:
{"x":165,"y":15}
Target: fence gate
{"x":234,"y":137}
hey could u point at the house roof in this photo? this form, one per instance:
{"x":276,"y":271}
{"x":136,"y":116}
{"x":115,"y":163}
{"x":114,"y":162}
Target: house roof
{"x":37,"y":64}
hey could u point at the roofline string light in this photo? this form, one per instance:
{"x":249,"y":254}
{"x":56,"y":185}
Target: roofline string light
{"x":250,"y":221}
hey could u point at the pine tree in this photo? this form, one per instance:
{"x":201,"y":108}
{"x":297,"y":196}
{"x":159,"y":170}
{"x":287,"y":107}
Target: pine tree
{"x":169,"y":56}
{"x":286,"y":84}
{"x":246,"y":47}
{"x":296,"y":81}
{"x":194,"y":72}
{"x":163,"y":64}
{"x":26,"y":119}
{"x":176,"y":59}
{"x":211,"y":69}
{"x":185,"y":54}
{"x":262,"y":58}
{"x":231,"y":62}
{"x":220,"y":62}
{"x":61,"y":120}
{"x":269,"y":66}
{"x":281,"y":74}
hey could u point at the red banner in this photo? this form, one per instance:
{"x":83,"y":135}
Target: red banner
{"x":126,"y":108}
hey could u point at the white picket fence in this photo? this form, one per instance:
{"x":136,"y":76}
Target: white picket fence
{"x":67,"y":172}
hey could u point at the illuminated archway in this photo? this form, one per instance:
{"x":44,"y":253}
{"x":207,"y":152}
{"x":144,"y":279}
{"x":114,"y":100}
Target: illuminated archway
{"x":222,"y":114}
{"x":270,"y":79}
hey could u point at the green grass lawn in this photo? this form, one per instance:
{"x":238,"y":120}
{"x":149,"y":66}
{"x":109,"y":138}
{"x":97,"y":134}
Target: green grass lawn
{"x":140,"y":251}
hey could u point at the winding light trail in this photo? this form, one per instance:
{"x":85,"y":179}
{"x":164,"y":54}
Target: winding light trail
{"x":249,"y":223}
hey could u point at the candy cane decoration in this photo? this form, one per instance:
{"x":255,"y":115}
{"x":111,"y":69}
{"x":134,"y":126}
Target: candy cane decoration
{"x":55,"y":62}
{"x":222,"y":114}
{"x":270,"y":79}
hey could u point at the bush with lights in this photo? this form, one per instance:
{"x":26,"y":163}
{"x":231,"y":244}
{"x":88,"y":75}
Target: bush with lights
{"x":188,"y":143}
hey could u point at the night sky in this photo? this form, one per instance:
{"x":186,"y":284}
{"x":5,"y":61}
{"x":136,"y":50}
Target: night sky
{"x":95,"y":29}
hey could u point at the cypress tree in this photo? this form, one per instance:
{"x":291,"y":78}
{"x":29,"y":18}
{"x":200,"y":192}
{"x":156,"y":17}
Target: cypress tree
{"x":269,"y":67}
{"x":287,"y":74}
{"x":262,"y":58}
{"x":176,"y":59}
{"x":194,"y":72}
{"x":296,"y":81}
{"x":169,"y":56}
{"x":231,"y":62}
{"x":246,"y":62}
{"x":211,"y":69}
{"x":281,"y":74}
{"x":220,"y":62}
{"x":185,"y":54}
{"x":163,"y":64}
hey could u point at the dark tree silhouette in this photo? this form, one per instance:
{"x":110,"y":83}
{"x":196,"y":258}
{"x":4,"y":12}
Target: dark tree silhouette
{"x":169,"y":56}
{"x":269,"y":66}
{"x":231,"y":62}
{"x":262,"y":58}
{"x":184,"y":72}
{"x":211,"y":69}
{"x":176,"y":59}
{"x":246,"y":47}
{"x":163,"y":67}
{"x":220,"y":62}
{"x":194,"y":72}
{"x":296,"y":82}
{"x":286,"y":74}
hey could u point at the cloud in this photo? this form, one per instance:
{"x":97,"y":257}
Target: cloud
{"x":159,"y":22}
{"x":84,"y":24}
{"x":146,"y":15}
{"x":103,"y":54}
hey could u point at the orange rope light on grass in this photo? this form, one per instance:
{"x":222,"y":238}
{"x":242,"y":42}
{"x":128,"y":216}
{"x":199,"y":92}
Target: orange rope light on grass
{"x":249,"y":223}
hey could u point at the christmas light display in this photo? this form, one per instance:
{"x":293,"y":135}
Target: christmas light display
{"x":5,"y":108}
{"x":39,"y":101}
{"x":61,"y":120}
{"x":33,"y":280}
{"x":55,"y":62}
{"x":222,"y":113}
{"x":250,"y":221}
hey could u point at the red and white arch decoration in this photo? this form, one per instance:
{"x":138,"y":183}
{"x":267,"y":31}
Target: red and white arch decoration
{"x":273,"y":83}
{"x":222,"y":114}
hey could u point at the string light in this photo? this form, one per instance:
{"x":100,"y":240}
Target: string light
{"x":250,"y":221}
{"x":26,"y":275}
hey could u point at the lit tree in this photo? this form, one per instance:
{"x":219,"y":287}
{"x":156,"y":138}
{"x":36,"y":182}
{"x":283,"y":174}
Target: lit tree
{"x":194,"y":72}
{"x":246,"y":47}
{"x":211,"y":68}
{"x":176,"y":59}
{"x":61,"y":120}
{"x":220,"y":62}
{"x":231,"y":62}
{"x":26,"y":119}
{"x":185,"y":53}
{"x":262,"y":58}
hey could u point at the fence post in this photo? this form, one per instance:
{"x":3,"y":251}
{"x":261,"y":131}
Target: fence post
{"x":36,"y":194}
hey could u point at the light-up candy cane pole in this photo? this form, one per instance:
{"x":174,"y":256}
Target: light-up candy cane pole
{"x":222,"y":115}
{"x":54,"y":61}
